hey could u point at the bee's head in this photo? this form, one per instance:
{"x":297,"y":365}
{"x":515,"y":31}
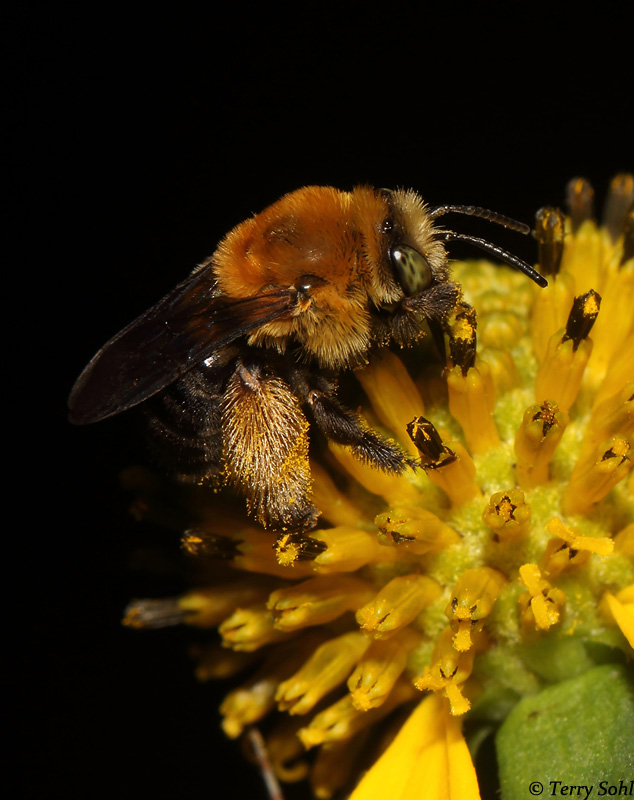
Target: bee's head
{"x":406,"y":257}
{"x":407,"y":254}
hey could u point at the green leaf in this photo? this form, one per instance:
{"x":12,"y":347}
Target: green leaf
{"x":579,"y":733}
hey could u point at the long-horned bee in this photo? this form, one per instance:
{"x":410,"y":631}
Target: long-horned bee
{"x":246,"y":349}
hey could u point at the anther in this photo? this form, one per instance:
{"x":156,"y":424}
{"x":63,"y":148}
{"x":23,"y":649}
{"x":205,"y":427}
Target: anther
{"x":580,"y":202}
{"x":535,"y":443}
{"x":450,"y":468}
{"x":618,"y":203}
{"x":549,"y":232}
{"x":583,"y":314}
{"x":508,"y":515}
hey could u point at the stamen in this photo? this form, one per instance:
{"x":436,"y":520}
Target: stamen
{"x":613,"y":330}
{"x":535,"y":443}
{"x":561,"y":372}
{"x":567,"y":548}
{"x":161,"y":613}
{"x":199,"y":543}
{"x":250,"y":702}
{"x":499,"y":329}
{"x":612,"y":417}
{"x":584,"y":259}
{"x":293,"y":547}
{"x":472,"y":600}
{"x":549,"y":232}
{"x":550,"y":309}
{"x":461,"y":332}
{"x":317,"y":600}
{"x":448,"y":671}
{"x":583,"y":313}
{"x":591,"y":481}
{"x":346,"y":549}
{"x":451,"y":469}
{"x":249,"y":629}
{"x":471,"y":389}
{"x":434,"y":454}
{"x":580,"y":201}
{"x":619,"y":370}
{"x":417,"y":532}
{"x":397,"y":604}
{"x":342,"y":720}
{"x":618,"y":203}
{"x":508,"y":515}
{"x":327,"y":668}
{"x":248,"y":549}
{"x":379,"y":669}
{"x":541,"y":605}
{"x":471,"y":402}
{"x":504,"y":371}
{"x":201,"y":608}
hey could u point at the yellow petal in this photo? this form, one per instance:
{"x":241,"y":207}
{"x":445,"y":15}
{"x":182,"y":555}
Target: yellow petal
{"x":624,"y":616}
{"x":428,"y":758}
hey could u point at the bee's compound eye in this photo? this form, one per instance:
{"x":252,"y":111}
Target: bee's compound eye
{"x":411,"y":269}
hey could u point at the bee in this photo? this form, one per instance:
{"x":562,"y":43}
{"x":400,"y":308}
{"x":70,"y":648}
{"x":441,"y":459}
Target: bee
{"x":235,"y":360}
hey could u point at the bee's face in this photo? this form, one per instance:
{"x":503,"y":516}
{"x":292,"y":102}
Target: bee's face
{"x":345,"y":257}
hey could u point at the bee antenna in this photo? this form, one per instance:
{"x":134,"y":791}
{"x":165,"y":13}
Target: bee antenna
{"x":499,"y":252}
{"x":481,"y":213}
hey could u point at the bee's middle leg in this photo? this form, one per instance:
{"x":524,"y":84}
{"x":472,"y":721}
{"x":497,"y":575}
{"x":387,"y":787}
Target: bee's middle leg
{"x":343,"y":426}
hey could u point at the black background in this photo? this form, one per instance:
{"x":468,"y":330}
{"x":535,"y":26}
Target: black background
{"x":137,"y":141}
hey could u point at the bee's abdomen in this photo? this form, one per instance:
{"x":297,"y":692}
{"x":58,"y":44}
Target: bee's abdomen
{"x":185,"y":431}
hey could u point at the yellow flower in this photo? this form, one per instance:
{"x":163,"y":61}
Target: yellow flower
{"x":503,"y":565}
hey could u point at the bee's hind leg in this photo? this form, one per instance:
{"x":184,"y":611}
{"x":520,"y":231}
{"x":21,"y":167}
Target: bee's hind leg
{"x":265,"y":448}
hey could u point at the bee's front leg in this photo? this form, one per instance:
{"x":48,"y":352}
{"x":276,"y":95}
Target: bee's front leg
{"x":433,"y":306}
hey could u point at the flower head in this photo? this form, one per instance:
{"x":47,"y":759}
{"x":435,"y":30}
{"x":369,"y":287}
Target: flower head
{"x":502,"y":565}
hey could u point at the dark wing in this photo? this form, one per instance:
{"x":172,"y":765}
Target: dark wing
{"x":181,"y":330}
